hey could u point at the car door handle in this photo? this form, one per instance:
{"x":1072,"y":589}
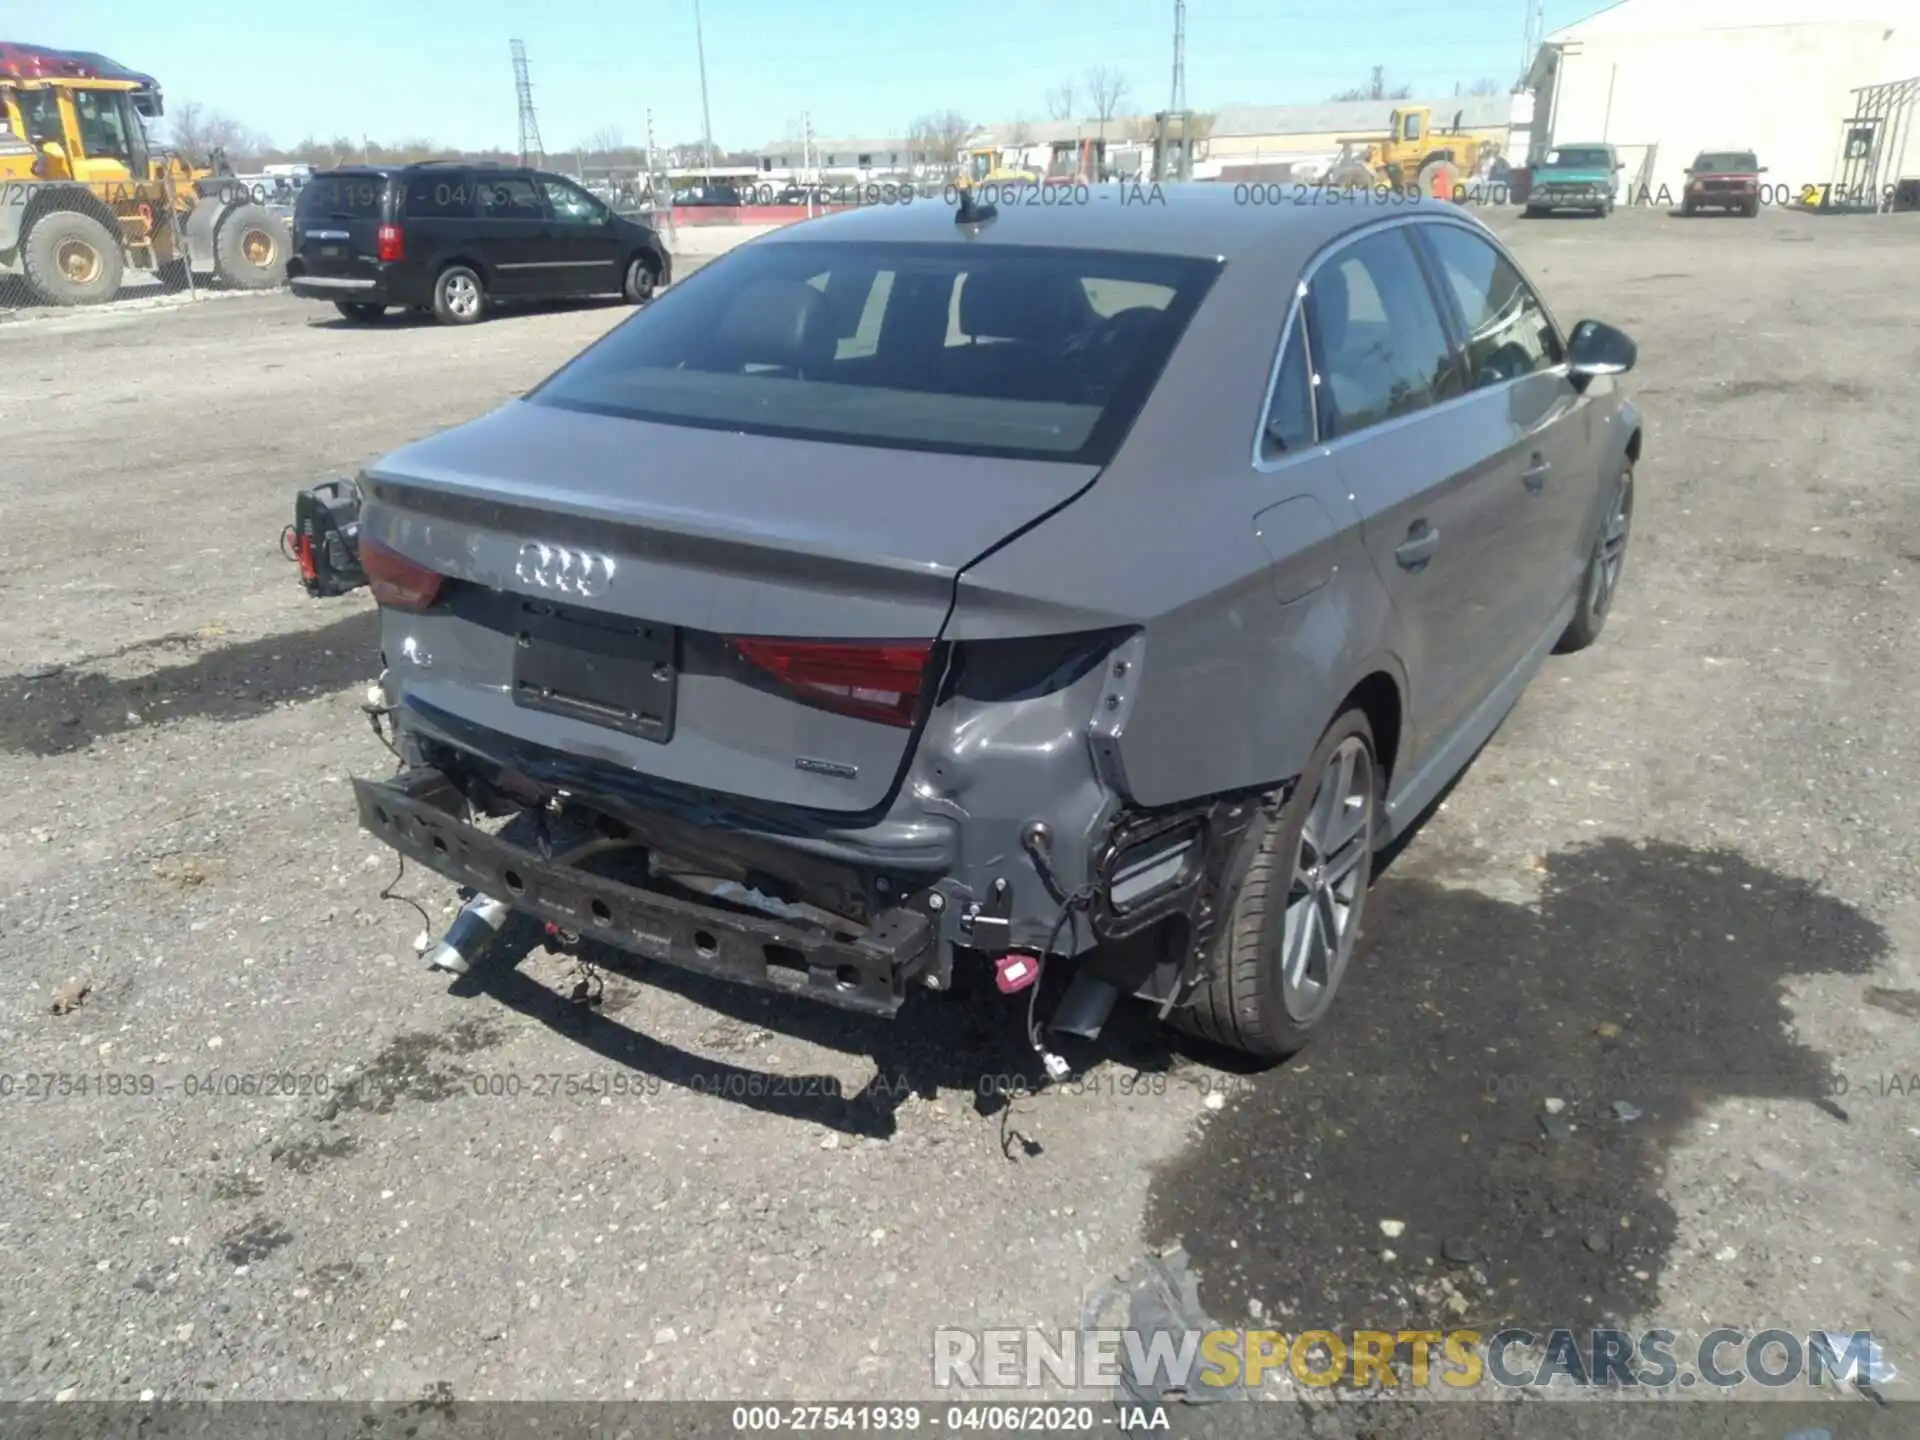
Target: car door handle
{"x":1417,"y":549}
{"x":1534,"y":477}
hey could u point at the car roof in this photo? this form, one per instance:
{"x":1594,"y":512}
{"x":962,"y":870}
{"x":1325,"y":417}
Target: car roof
{"x":401,"y":168}
{"x":1283,"y":224}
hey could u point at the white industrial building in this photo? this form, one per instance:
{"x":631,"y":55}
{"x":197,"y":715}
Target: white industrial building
{"x":1825,"y":91}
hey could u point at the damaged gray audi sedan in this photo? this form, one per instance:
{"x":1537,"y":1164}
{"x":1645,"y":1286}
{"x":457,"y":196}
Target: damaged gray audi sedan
{"x":1074,"y":595}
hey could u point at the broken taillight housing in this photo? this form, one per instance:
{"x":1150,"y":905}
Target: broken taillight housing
{"x":872,"y":680}
{"x":396,"y":580}
{"x":392,"y":243}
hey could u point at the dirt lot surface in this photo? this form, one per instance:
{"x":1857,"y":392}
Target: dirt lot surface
{"x":1679,"y":887}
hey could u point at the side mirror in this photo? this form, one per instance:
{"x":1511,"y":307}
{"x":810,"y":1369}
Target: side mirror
{"x":1763,"y":169}
{"x":1597,"y":348}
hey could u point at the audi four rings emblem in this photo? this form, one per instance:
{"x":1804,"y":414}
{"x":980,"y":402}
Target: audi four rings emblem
{"x":570,"y":572}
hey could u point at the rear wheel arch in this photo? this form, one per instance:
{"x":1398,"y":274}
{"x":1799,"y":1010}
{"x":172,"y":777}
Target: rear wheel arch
{"x":444,"y":263}
{"x":1633,"y":445}
{"x":1379,"y":696}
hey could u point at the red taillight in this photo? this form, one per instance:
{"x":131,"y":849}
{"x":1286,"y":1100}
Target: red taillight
{"x":393,"y":243}
{"x":875,"y":681}
{"x":396,"y":580}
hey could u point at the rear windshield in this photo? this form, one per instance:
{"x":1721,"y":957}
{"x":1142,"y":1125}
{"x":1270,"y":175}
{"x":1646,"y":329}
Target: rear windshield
{"x":1579,"y":157}
{"x":978,"y":350}
{"x":343,"y":197}
{"x":1727,"y":162}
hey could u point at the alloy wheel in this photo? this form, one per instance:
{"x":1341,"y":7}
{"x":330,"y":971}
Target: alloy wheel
{"x":1610,"y":555}
{"x":1329,"y":882}
{"x":463,"y":295}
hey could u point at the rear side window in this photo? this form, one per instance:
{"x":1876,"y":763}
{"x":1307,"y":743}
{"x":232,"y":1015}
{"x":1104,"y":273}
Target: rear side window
{"x":510,"y":197}
{"x":1508,"y":332}
{"x":1006,"y":350}
{"x":440,"y":196}
{"x":1290,"y":413}
{"x":1379,"y":343}
{"x":344,"y":197}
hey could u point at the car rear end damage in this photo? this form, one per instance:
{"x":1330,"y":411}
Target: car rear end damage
{"x":702,"y":603}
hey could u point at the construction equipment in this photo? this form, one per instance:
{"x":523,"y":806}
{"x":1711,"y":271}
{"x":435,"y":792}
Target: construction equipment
{"x":987,"y":165}
{"x":85,"y":196}
{"x":1412,"y":154}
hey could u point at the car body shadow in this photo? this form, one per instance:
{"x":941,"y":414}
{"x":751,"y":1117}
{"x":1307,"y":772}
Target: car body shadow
{"x":413,"y":319}
{"x":1503,"y":1080}
{"x":70,"y":709}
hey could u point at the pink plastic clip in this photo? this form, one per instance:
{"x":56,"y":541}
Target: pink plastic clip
{"x":1013,"y":973}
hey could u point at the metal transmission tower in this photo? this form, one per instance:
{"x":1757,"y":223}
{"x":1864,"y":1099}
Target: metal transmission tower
{"x":1175,"y":118}
{"x":531,"y":151}
{"x":1179,"y":103}
{"x":1536,"y":35}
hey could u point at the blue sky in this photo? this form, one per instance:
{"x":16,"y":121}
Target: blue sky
{"x":393,"y":68}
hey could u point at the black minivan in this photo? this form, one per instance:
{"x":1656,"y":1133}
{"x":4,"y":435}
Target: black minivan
{"x":454,"y":238}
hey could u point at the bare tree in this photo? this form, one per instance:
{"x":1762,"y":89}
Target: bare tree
{"x":1020,"y":133}
{"x":939,"y":137}
{"x":1486,"y":86}
{"x":1375,"y":89}
{"x":196,"y":132}
{"x":1106,"y":87}
{"x":1060,"y":101}
{"x":605,"y":141}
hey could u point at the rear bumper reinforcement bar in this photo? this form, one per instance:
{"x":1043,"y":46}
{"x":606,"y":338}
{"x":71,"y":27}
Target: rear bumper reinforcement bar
{"x":417,"y":814}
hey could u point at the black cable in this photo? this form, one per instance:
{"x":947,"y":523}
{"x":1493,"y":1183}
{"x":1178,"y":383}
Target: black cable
{"x":426,"y":920}
{"x":1070,"y":906}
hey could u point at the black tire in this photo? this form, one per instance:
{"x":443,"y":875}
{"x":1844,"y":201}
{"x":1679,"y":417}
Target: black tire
{"x":1532,"y":212}
{"x":643,"y":276}
{"x":1606,"y":563}
{"x":173,"y":276}
{"x":459,"y":295}
{"x":359,"y":311}
{"x":1243,"y":1003}
{"x":250,"y":249}
{"x":72,"y":259}
{"x":1688,"y":208}
{"x":1752,"y":209}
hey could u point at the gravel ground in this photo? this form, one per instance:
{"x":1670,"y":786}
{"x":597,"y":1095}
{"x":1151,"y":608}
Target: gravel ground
{"x":1681,"y":880}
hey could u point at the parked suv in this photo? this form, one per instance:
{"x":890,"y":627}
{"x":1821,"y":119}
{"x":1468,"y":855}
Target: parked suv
{"x":1575,"y":177}
{"x":1071,"y":596}
{"x":453,"y":239}
{"x":1726,"y":180}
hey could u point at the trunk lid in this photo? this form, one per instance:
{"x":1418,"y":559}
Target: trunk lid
{"x":336,"y":224}
{"x":687,"y":538}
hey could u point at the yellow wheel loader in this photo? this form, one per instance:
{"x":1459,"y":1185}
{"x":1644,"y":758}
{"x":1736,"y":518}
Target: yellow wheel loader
{"x":85,"y":197}
{"x":1412,"y":156}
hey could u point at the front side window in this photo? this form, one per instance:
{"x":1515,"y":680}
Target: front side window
{"x":510,"y":197}
{"x":1379,"y":342}
{"x":571,"y":204}
{"x":1004,"y":350}
{"x":103,"y":126}
{"x":1508,"y":332}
